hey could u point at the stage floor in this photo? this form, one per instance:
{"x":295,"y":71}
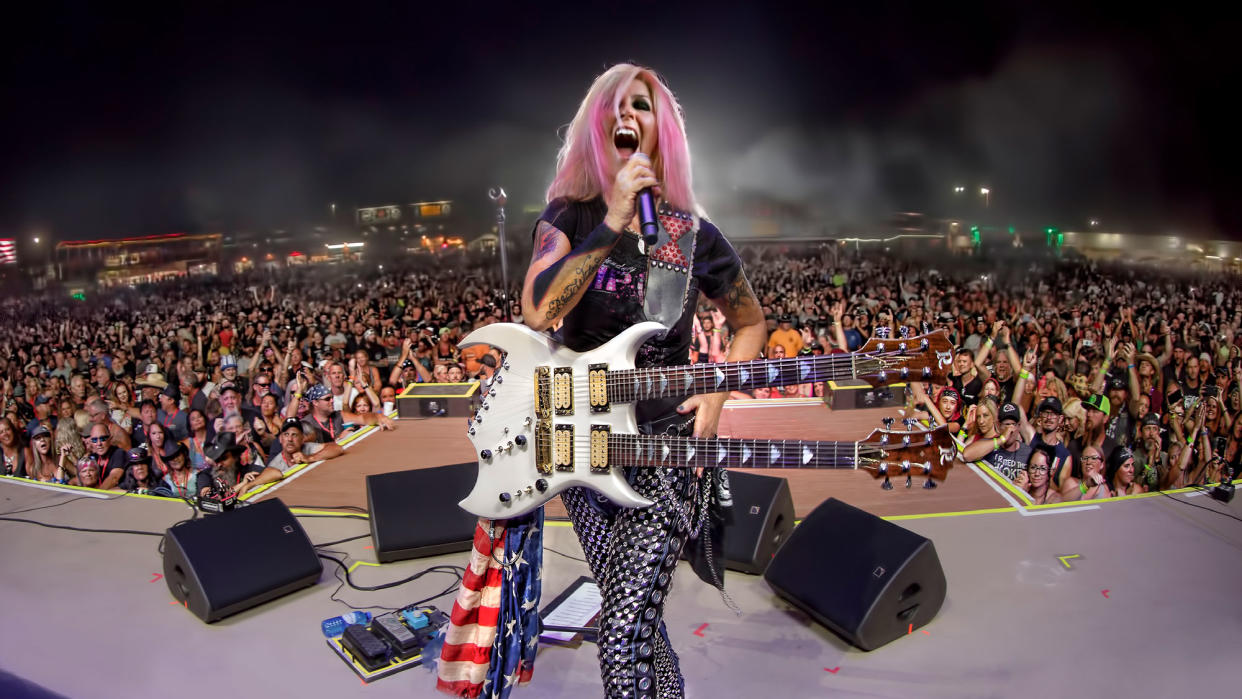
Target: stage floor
{"x":427,"y":442}
{"x":1147,"y":609}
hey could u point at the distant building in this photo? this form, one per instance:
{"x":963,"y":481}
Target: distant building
{"x":136,"y":260}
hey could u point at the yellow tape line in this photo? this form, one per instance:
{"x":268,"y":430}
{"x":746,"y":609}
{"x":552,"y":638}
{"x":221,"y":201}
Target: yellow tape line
{"x":1005,"y":482}
{"x":363,"y":563}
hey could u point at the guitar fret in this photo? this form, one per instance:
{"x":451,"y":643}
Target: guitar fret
{"x":666,"y":452}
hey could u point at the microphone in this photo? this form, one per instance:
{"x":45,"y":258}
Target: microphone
{"x":647,"y":217}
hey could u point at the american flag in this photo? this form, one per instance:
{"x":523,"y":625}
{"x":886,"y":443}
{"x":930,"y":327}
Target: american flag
{"x":493,"y":632}
{"x":8,"y":251}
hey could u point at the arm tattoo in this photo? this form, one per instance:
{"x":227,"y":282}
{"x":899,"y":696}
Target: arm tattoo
{"x":567,"y":276}
{"x":739,"y":293}
{"x":547,"y":239}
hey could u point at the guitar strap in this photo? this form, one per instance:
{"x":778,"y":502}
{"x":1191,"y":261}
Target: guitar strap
{"x":670,"y":263}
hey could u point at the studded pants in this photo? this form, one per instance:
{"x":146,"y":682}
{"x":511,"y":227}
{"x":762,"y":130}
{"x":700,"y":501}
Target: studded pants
{"x":633,"y":554}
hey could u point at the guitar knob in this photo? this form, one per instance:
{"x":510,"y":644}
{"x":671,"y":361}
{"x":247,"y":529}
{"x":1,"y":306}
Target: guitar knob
{"x":927,"y":372}
{"x":500,"y":379}
{"x":471,"y":431}
{"x":521,"y":440}
{"x":486,"y":453}
{"x":541,"y":485}
{"x":487,"y":406}
{"x":505,"y":497}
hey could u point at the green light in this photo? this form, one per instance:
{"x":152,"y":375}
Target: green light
{"x":1060,"y":239}
{"x":81,"y":296}
{"x":1012,"y":230}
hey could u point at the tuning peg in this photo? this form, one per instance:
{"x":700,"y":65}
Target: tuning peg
{"x":929,"y":484}
{"x":887,"y":484}
{"x":888,"y":423}
{"x":909,"y":480}
{"x":927,"y":372}
{"x":908,"y":422}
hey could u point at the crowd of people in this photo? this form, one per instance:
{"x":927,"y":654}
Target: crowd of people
{"x":1074,"y":379}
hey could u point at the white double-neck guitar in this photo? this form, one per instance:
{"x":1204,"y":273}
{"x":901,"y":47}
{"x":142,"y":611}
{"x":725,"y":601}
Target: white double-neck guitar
{"x":555,"y":418}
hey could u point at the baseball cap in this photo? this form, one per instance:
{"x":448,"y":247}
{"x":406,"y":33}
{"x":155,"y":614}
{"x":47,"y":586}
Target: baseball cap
{"x":290,"y":423}
{"x":1009,"y":412}
{"x":1098,"y":402}
{"x":1051,"y":403}
{"x":40,"y":431}
{"x":229,"y":386}
{"x":785,"y":318}
{"x":227,"y":361}
{"x":1151,"y":419}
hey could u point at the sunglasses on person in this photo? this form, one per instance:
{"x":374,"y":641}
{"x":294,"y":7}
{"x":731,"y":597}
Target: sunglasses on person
{"x":96,"y":440}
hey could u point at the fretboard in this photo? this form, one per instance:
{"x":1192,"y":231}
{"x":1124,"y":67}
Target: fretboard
{"x":629,"y":385}
{"x":664,"y":451}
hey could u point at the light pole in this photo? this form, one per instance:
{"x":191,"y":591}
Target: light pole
{"x":959,"y":189}
{"x":987,"y":196}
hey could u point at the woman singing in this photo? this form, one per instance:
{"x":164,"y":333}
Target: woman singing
{"x":589,"y":275}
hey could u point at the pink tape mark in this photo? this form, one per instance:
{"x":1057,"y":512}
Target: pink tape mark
{"x":699,"y":631}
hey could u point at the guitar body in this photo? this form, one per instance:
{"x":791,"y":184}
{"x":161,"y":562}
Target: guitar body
{"x":509,"y":467}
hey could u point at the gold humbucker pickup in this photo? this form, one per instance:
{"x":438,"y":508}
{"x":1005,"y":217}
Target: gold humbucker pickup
{"x":563,"y":448}
{"x":597,"y":382}
{"x":543,"y":393}
{"x":543,"y":447}
{"x":563,"y":390}
{"x":599,"y":448}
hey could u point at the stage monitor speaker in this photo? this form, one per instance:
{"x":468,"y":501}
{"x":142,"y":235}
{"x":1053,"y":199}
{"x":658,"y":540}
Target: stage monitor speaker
{"x":763,"y":515}
{"x":415,"y":513}
{"x":223,"y":564}
{"x":865,"y":579}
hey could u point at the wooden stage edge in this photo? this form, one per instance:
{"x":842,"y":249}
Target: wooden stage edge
{"x":430,"y":442}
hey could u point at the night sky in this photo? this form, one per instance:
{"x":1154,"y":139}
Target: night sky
{"x":249,"y":119}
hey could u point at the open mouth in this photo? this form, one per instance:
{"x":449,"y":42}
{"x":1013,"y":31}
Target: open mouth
{"x":626,"y":141}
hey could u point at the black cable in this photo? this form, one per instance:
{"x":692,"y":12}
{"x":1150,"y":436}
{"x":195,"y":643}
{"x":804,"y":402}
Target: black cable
{"x":81,"y":529}
{"x":341,"y":541}
{"x":344,"y":514}
{"x":572,"y":558}
{"x":1201,"y":507}
{"x":328,"y":507}
{"x":456,"y":571}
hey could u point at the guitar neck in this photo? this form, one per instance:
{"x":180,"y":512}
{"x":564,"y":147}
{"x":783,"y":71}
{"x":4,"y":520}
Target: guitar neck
{"x":629,"y":385}
{"x":668,"y":452}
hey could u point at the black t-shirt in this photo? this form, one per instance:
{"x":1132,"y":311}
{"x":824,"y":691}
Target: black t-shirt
{"x":969,"y":392}
{"x":1006,"y":389}
{"x":1008,"y":463}
{"x":614,"y":299}
{"x":1120,"y":427}
{"x":1063,"y":452}
{"x":1106,"y":449}
{"x":113,"y":458}
{"x":326,"y":431}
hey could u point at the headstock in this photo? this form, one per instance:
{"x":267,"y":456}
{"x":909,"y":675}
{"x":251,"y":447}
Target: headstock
{"x":887,"y":360}
{"x":914,"y":450}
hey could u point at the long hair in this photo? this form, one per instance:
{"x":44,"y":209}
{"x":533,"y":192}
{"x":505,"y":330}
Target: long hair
{"x":583,"y":170}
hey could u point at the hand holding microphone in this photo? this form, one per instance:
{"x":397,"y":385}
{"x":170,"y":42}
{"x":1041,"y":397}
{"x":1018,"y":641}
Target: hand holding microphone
{"x":635,"y":178}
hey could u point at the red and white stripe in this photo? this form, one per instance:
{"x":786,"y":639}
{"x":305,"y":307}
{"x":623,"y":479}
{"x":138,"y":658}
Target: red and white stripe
{"x":473,"y":625}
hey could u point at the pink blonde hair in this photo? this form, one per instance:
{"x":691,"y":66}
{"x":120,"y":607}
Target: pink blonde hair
{"x":582,"y":166}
